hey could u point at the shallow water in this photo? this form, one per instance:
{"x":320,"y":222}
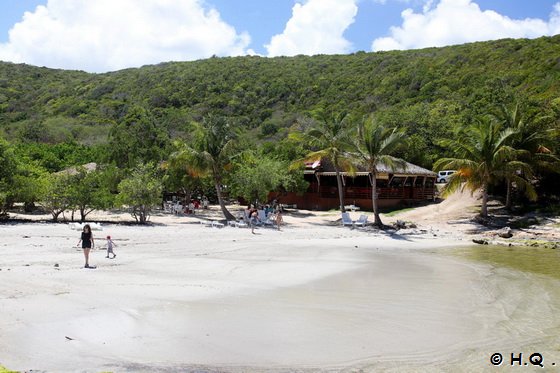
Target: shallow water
{"x":537,"y":260}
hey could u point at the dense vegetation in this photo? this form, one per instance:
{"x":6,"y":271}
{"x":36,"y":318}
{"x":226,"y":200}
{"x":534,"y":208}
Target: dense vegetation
{"x":54,"y":119}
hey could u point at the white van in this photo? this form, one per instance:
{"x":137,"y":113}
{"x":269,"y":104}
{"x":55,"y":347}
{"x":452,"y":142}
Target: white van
{"x":443,"y":176}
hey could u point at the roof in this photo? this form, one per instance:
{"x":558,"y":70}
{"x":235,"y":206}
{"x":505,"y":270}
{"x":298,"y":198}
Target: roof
{"x":325,"y":167}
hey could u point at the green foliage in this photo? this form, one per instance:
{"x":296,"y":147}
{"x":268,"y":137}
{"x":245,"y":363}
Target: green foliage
{"x":137,"y":138}
{"x":56,"y":195}
{"x":376,"y":145}
{"x":329,"y":136}
{"x":141,"y":192}
{"x":59,"y":156}
{"x":29,"y":184}
{"x":89,"y":191}
{"x":481,"y":153}
{"x":257,"y":175}
{"x":7,"y":171}
{"x":211,"y":153}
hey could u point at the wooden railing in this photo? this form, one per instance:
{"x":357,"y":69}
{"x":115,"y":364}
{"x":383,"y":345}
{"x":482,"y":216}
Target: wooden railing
{"x":383,"y":193}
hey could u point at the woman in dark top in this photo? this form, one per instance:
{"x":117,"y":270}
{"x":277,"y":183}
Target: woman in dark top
{"x":87,"y":243}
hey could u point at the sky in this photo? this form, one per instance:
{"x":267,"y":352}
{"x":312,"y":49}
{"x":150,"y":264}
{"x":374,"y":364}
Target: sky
{"x":108,"y":35}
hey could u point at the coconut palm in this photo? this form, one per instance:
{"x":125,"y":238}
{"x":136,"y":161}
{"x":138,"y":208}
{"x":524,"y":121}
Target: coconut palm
{"x":532,"y":140}
{"x":482,"y":157}
{"x":331,"y":137}
{"x":375,"y":145}
{"x":211,"y":153}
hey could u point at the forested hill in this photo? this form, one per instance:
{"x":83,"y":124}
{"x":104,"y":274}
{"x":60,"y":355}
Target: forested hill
{"x":429,"y":91}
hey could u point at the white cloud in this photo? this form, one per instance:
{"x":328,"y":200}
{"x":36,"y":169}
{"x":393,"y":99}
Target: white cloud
{"x":316,"y":26}
{"x":461,"y":21}
{"x":105,"y":35}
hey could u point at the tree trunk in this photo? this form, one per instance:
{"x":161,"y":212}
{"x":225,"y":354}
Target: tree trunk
{"x":508,"y":194}
{"x":340,"y":190}
{"x":484,"y":208}
{"x":55,"y":214}
{"x":225,"y":211}
{"x":377,"y":220}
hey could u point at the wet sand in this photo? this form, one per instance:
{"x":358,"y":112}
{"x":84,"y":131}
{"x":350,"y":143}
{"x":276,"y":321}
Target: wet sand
{"x":307,"y":298}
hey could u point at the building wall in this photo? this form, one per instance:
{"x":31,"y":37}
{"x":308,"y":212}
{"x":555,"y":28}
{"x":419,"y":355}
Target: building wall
{"x":388,"y":197}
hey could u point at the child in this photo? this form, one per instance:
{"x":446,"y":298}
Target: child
{"x":110,"y":245}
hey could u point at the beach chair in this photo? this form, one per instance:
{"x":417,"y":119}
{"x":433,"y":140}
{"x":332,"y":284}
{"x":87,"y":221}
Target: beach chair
{"x":216,"y":224}
{"x":362,"y":221}
{"x":263,"y":218}
{"x":241,"y":224}
{"x":346,"y":220}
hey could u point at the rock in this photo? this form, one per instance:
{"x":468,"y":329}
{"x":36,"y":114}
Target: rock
{"x":399,"y":224}
{"x":505,"y":232}
{"x":56,"y":265}
{"x":480,"y":242}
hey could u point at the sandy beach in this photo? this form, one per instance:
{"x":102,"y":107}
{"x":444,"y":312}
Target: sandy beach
{"x":314,"y":296}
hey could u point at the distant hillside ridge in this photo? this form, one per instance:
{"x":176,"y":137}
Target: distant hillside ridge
{"x":428,"y":91}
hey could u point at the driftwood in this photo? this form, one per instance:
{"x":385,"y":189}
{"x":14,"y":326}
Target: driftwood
{"x":480,"y":242}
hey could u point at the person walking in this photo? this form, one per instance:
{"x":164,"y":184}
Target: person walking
{"x":87,"y":244}
{"x":110,"y":245}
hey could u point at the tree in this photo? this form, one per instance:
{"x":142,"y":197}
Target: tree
{"x":89,"y":191}
{"x":141,"y":191}
{"x":532,"y":140}
{"x":330,"y":137}
{"x":7,"y":171}
{"x":55,"y":196}
{"x":179,"y":175}
{"x":375,"y":145}
{"x":211,"y":153}
{"x":256,"y":175}
{"x":28,"y":184}
{"x":482,"y":152}
{"x":137,"y":138}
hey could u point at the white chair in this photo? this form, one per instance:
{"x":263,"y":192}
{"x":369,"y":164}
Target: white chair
{"x":216,"y":224}
{"x":362,"y":221}
{"x":96,"y":226}
{"x":263,"y":218}
{"x":346,"y":220}
{"x":241,"y":224}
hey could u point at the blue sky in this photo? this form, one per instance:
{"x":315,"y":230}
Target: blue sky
{"x":105,"y":35}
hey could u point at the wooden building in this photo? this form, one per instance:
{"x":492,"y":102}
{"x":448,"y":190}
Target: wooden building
{"x":402,"y":186}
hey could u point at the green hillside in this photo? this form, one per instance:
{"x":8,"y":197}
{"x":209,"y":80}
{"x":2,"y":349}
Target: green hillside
{"x":428,"y":91}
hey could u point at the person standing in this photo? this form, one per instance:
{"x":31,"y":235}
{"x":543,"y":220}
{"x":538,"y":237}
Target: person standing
{"x":87,"y":243}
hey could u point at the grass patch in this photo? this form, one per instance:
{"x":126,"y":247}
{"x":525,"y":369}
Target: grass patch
{"x":538,"y":260}
{"x":397,"y":212}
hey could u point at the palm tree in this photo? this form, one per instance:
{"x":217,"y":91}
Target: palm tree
{"x":375,"y":145}
{"x":331,"y":135}
{"x":482,"y":157}
{"x":532,"y":140}
{"x":211,"y":153}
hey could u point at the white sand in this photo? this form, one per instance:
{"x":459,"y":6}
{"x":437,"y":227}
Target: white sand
{"x":314,"y":296}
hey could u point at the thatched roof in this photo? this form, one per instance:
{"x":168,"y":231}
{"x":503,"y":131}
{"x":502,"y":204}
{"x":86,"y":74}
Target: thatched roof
{"x":325,"y":167}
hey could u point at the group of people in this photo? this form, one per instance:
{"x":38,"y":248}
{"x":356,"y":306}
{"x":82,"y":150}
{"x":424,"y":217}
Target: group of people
{"x":190,"y":208}
{"x":271,"y":213}
{"x":88,"y":243}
